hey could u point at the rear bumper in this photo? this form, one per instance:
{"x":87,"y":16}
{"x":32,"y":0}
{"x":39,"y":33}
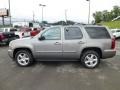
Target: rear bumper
{"x":108,"y":54}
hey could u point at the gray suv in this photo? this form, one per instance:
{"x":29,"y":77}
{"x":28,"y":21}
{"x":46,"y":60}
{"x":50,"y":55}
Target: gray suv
{"x":86,"y":43}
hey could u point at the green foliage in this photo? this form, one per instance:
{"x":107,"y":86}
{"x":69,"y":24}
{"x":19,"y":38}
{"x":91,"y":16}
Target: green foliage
{"x":112,"y":24}
{"x":44,"y":22}
{"x":116,"y":11}
{"x":98,"y":17}
{"x":106,"y":15}
{"x":70,"y":22}
{"x":59,"y":23}
{"x":64,"y":23}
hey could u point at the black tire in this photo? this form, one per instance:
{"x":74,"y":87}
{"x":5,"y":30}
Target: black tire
{"x":17,"y":37}
{"x":28,"y":54}
{"x":85,"y":61}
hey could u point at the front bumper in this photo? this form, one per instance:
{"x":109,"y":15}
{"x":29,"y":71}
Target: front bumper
{"x":10,"y":53}
{"x":108,"y":54}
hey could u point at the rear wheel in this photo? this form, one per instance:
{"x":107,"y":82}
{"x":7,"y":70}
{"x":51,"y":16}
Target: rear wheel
{"x":23,"y":58}
{"x":90,"y":59}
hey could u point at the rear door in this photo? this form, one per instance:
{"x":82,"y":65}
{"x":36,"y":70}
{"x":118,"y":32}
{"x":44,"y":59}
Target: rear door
{"x":73,"y":40}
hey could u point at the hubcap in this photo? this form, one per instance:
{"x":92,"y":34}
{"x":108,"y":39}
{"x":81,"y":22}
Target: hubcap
{"x":23,"y":59}
{"x":91,"y":60}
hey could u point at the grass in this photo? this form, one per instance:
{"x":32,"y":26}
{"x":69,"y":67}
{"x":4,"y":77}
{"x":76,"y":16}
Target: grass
{"x":112,"y":24}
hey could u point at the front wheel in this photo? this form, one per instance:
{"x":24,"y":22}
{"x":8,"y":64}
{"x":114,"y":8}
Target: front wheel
{"x":90,"y":59}
{"x":23,"y":58}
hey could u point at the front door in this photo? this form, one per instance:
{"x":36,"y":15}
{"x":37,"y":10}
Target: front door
{"x":51,"y":46}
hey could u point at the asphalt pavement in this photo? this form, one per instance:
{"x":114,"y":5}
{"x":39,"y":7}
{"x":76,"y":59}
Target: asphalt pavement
{"x":59,"y":75}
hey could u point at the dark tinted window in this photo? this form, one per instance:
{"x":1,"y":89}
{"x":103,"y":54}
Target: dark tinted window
{"x":30,"y":24}
{"x":97,"y":32}
{"x":73,"y":33}
{"x":12,"y":30}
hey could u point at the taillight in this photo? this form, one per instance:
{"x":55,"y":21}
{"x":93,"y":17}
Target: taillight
{"x":33,"y":33}
{"x":2,"y":36}
{"x":113,"y":43}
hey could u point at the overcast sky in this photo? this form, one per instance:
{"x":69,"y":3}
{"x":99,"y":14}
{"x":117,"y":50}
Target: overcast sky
{"x":77,"y":10}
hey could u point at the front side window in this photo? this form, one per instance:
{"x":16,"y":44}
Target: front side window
{"x":72,"y":33}
{"x":52,"y":34}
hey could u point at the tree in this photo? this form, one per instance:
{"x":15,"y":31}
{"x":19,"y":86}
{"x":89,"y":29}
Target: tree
{"x":97,"y":16}
{"x":69,"y":22}
{"x":105,"y":15}
{"x":44,"y":22}
{"x":116,"y":11}
{"x":59,"y":23}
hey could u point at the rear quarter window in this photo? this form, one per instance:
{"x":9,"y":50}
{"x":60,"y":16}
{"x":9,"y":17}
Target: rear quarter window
{"x":97,"y":32}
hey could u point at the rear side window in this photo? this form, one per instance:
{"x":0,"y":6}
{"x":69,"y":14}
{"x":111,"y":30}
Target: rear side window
{"x":97,"y":32}
{"x":73,"y":33}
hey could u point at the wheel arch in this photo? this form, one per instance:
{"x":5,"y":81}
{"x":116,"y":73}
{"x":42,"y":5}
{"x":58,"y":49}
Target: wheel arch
{"x":22,"y":48}
{"x":98,"y":50}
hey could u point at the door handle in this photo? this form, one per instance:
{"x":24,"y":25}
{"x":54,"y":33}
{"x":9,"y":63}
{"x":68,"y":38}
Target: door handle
{"x":57,"y":43}
{"x":81,"y":42}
